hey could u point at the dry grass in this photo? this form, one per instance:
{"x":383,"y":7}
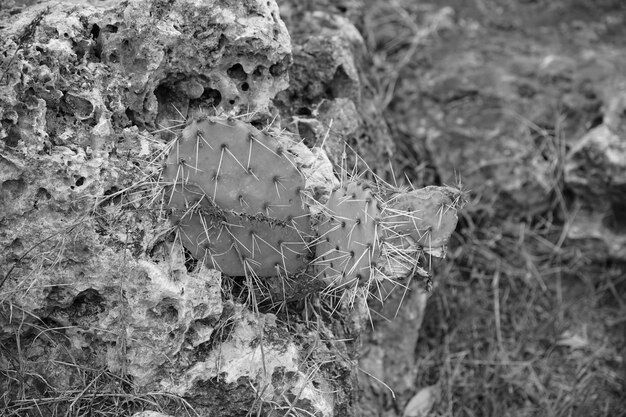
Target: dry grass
{"x":501,"y":341}
{"x":519,"y":324}
{"x":27,"y":364}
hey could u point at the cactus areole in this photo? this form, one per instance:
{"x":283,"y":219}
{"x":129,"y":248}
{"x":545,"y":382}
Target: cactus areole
{"x":235,"y":194}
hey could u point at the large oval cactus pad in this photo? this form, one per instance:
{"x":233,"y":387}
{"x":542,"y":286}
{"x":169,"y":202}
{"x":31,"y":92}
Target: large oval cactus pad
{"x":254,"y":183}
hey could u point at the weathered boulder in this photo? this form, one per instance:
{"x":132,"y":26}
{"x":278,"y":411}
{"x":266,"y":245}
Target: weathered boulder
{"x":94,"y":292}
{"x":136,"y":64}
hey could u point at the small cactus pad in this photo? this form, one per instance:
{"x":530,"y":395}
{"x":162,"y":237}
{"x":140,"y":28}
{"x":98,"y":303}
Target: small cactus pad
{"x":253,"y":183}
{"x":347,"y":247}
{"x":428,"y":216}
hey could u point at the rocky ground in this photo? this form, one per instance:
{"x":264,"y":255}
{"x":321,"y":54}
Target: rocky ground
{"x":520,"y":104}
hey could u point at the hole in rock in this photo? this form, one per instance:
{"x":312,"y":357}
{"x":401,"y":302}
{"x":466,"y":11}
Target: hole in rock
{"x":132,"y":117}
{"x":245,"y":87}
{"x":114,"y":57}
{"x":14,"y":188}
{"x":166,"y":310}
{"x":97,"y":48}
{"x":72,"y":104}
{"x":86,"y":303}
{"x":168,"y":102}
{"x":277,"y":69}
{"x":170,"y":314}
{"x":209,"y":98}
{"x":95,"y":31}
{"x":596,"y":121}
{"x":13,"y":137}
{"x":303,"y":111}
{"x":237,"y":72}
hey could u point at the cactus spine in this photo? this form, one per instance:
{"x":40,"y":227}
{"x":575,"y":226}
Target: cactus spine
{"x":428,"y":216}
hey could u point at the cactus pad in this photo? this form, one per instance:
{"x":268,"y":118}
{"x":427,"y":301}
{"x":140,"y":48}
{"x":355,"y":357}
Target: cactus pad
{"x":235,"y":192}
{"x":348,"y":247}
{"x":428,"y":216}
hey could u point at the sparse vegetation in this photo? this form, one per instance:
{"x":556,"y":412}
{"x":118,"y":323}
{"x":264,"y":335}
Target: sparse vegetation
{"x":521,"y":322}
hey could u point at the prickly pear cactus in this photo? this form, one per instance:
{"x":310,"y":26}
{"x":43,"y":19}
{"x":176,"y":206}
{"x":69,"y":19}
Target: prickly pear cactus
{"x":428,"y":216}
{"x":235,"y":192}
{"x":348,"y":245}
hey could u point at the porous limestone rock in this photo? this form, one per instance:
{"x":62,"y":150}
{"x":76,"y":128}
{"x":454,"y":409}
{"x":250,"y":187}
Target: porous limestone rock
{"x":136,"y":63}
{"x":328,"y":100}
{"x":260,"y":363}
{"x":93,"y":288}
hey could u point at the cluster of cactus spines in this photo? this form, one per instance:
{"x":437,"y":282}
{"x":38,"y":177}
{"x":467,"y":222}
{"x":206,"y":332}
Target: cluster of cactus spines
{"x":236,"y":194}
{"x":428,"y":216}
{"x":348,"y":243}
{"x":416,"y":225}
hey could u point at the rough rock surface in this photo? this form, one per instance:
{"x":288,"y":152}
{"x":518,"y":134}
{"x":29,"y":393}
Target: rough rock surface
{"x":329,"y":101}
{"x":92,"y":288}
{"x":138,"y":65}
